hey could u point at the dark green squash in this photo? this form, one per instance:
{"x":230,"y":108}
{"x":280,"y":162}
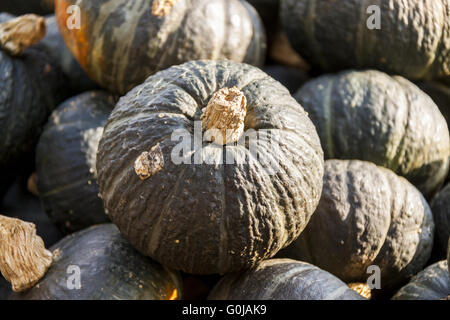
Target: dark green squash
{"x":283,"y":279}
{"x":433,"y":283}
{"x":440,"y":94}
{"x":110,"y":269}
{"x":120,"y":43}
{"x":76,"y":78}
{"x":412,"y":41}
{"x":368,"y":115}
{"x":20,"y":204}
{"x":291,"y":78}
{"x":19,"y":7}
{"x":65,"y":161}
{"x":366,"y":216}
{"x":208,"y":215}
{"x":30,"y":88}
{"x":440,"y":206}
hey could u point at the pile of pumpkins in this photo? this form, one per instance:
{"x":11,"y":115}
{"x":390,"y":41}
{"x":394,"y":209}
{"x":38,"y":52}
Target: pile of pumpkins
{"x":350,"y":106}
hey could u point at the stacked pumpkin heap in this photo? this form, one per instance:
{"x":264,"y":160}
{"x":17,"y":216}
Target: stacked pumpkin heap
{"x":170,"y":166}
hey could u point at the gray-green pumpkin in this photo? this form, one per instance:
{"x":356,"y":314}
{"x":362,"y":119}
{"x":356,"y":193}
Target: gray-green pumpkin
{"x":433,"y":283}
{"x":120,"y":43}
{"x":109,"y":269}
{"x":412,"y":38}
{"x":65,"y":161}
{"x":369,"y":115}
{"x":440,"y":206}
{"x":200,"y":211}
{"x":366,"y":216}
{"x":282,"y":279}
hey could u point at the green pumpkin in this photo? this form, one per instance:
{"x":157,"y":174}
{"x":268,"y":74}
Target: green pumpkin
{"x":368,"y":115}
{"x":433,"y":283}
{"x":110,"y":269}
{"x":31,"y":86}
{"x":412,"y":39}
{"x":291,"y":78}
{"x":65,"y":161}
{"x":283,"y":279}
{"x":440,"y":206}
{"x":207,"y":214}
{"x":366,"y":216}
{"x":120,"y":43}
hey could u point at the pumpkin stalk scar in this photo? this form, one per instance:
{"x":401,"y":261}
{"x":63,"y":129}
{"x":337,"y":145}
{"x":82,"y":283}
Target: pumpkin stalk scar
{"x":162,"y":8}
{"x":149,"y":163}
{"x":23,"y":257}
{"x":362,"y":288}
{"x":223,"y":118}
{"x":18,"y":34}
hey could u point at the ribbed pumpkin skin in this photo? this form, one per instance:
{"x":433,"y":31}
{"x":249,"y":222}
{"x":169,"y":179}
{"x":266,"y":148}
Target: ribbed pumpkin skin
{"x":76,"y":78}
{"x":204,"y":218}
{"x":65,"y":161}
{"x":110,"y":269}
{"x":440,"y":206}
{"x":122,"y":42}
{"x":413,"y":41}
{"x":30,"y":88}
{"x":440,"y":94}
{"x":368,"y":115}
{"x":283,"y":279}
{"x":366,"y":216}
{"x":433,"y":283}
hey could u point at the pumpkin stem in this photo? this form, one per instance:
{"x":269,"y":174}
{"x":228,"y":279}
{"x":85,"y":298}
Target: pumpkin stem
{"x":162,"y":8}
{"x":23,"y":257}
{"x":362,"y":288}
{"x":18,"y":34}
{"x":223,"y":118}
{"x":149,"y":162}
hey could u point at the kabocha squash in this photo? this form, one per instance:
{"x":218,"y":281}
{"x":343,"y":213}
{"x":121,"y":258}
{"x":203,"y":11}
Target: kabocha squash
{"x":366,"y":216}
{"x":440,"y":94}
{"x":109,"y":269}
{"x":76,"y":78}
{"x":19,"y":7}
{"x":368,"y":115}
{"x":291,"y":78}
{"x":205,"y":209}
{"x":283,"y":279}
{"x":20,"y":204}
{"x":433,"y":283}
{"x":412,"y":38}
{"x":65,"y":161}
{"x":440,"y":206}
{"x":30,"y":86}
{"x":120,"y":43}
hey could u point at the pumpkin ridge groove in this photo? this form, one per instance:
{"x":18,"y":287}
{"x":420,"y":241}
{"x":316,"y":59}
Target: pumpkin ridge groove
{"x":327,"y":111}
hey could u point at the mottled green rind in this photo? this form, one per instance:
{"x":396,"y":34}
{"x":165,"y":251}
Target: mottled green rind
{"x":205,"y":218}
{"x":413,"y":39}
{"x":440,"y":206}
{"x":366,"y":216}
{"x":368,"y":115}
{"x":433,"y":283}
{"x":65,"y":161}
{"x":110,"y":269}
{"x":125,"y":43}
{"x":283,"y":279}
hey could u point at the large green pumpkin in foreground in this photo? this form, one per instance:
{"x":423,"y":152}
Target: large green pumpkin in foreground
{"x":120,"y":43}
{"x":369,"y":115}
{"x":412,"y":38}
{"x":214,"y":209}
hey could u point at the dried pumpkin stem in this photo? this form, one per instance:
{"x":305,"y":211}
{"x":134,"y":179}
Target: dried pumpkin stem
{"x":149,"y":162}
{"x":223,"y":118}
{"x":18,"y":34}
{"x":23,"y":257}
{"x":162,"y":8}
{"x":362,"y":288}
